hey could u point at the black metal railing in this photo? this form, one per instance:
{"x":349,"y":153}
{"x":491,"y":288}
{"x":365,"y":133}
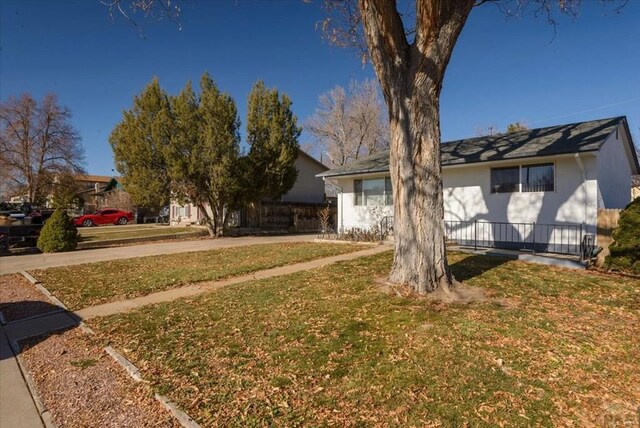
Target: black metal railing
{"x":534,"y":237}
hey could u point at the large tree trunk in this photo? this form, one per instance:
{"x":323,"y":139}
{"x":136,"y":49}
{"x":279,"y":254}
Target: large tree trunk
{"x":411,"y":79}
{"x":420,"y":259}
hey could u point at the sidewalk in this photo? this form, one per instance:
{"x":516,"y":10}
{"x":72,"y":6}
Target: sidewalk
{"x":204,"y":287}
{"x":17,"y":409}
{"x":17,"y":406}
{"x":13,"y":264}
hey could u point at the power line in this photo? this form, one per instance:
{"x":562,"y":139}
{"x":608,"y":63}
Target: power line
{"x":588,"y":110}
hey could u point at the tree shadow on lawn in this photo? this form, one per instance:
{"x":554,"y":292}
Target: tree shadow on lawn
{"x":25,"y":324}
{"x":476,"y":265}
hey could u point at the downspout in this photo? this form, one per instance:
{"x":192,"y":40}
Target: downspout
{"x":584,"y":188}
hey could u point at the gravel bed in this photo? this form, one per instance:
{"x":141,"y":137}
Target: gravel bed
{"x":20,"y":299}
{"x":82,"y":386}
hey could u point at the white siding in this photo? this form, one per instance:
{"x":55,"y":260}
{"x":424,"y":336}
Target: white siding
{"x":467,"y":197}
{"x":614,"y":171}
{"x":350,"y":215}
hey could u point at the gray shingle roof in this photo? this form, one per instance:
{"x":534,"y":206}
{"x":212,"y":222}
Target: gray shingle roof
{"x":553,"y":140}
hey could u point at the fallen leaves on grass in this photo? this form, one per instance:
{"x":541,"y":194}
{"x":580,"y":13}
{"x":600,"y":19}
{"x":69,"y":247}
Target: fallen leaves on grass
{"x":551,"y":347}
{"x":96,"y":283}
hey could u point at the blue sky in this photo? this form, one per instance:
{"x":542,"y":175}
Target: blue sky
{"x":502,"y":70}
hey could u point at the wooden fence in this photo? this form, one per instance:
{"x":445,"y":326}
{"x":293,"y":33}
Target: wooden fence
{"x":289,"y":216}
{"x":607,"y":222}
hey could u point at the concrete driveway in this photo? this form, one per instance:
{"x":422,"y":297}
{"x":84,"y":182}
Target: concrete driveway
{"x":12,"y":264}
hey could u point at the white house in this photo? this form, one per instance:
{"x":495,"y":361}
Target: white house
{"x":496,"y":187}
{"x":307,"y":189}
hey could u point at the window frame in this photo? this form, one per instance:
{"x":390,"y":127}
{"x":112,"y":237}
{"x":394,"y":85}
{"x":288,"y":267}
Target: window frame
{"x":359,"y":198}
{"x":553,"y":175}
{"x":503,"y":168}
{"x":520,"y":168}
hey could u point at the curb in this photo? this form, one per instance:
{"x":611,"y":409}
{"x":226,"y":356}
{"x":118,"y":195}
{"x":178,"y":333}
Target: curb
{"x":181,"y":416}
{"x":184,"y":419}
{"x":126,"y":364}
{"x":43,"y":290}
{"x":29,"y":277}
{"x":54,"y":300}
{"x":45,"y":415}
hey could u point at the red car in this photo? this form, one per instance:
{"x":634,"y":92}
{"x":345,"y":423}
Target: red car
{"x":104,"y":216}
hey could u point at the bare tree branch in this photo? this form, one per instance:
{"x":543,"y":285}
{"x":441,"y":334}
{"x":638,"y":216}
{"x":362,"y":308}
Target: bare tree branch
{"x":350,"y":125}
{"x":36,"y":142}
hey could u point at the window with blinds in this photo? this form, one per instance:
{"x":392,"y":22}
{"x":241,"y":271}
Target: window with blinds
{"x":523,"y":178}
{"x":505,"y":180}
{"x":537,"y":178}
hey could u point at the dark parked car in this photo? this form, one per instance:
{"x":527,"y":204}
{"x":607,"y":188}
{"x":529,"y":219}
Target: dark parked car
{"x":104,"y":216}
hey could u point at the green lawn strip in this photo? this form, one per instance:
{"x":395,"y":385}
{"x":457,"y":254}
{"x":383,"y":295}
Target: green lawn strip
{"x":327,"y":347}
{"x":95,"y":283}
{"x":113,"y":233}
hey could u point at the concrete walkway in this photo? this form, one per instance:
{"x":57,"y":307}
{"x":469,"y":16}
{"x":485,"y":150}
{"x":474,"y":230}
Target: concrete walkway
{"x":13,"y":264}
{"x":17,"y":408}
{"x":562,"y":260}
{"x":204,"y":287}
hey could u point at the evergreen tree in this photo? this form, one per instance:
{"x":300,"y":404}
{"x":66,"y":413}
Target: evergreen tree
{"x":272,"y":133}
{"x":58,"y":234}
{"x":624,"y":253}
{"x":138,"y":144}
{"x":204,"y":152}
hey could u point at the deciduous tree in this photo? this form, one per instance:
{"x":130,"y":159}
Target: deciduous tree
{"x":138,"y":144}
{"x":37,"y":142}
{"x":350,"y":124}
{"x":410,"y":53}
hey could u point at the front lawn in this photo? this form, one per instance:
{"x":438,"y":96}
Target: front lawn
{"x":328,"y":347}
{"x":92,"y":284}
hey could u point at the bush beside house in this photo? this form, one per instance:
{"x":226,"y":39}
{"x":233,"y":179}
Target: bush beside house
{"x":625,"y":250}
{"x":58,"y":234}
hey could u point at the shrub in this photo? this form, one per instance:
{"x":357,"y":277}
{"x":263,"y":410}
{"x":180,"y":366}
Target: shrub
{"x":624,"y":253}
{"x":58,"y":234}
{"x":362,"y":234}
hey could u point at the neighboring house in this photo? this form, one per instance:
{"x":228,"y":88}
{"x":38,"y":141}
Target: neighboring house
{"x":93,"y":189}
{"x":307,"y":190}
{"x":558,"y":176}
